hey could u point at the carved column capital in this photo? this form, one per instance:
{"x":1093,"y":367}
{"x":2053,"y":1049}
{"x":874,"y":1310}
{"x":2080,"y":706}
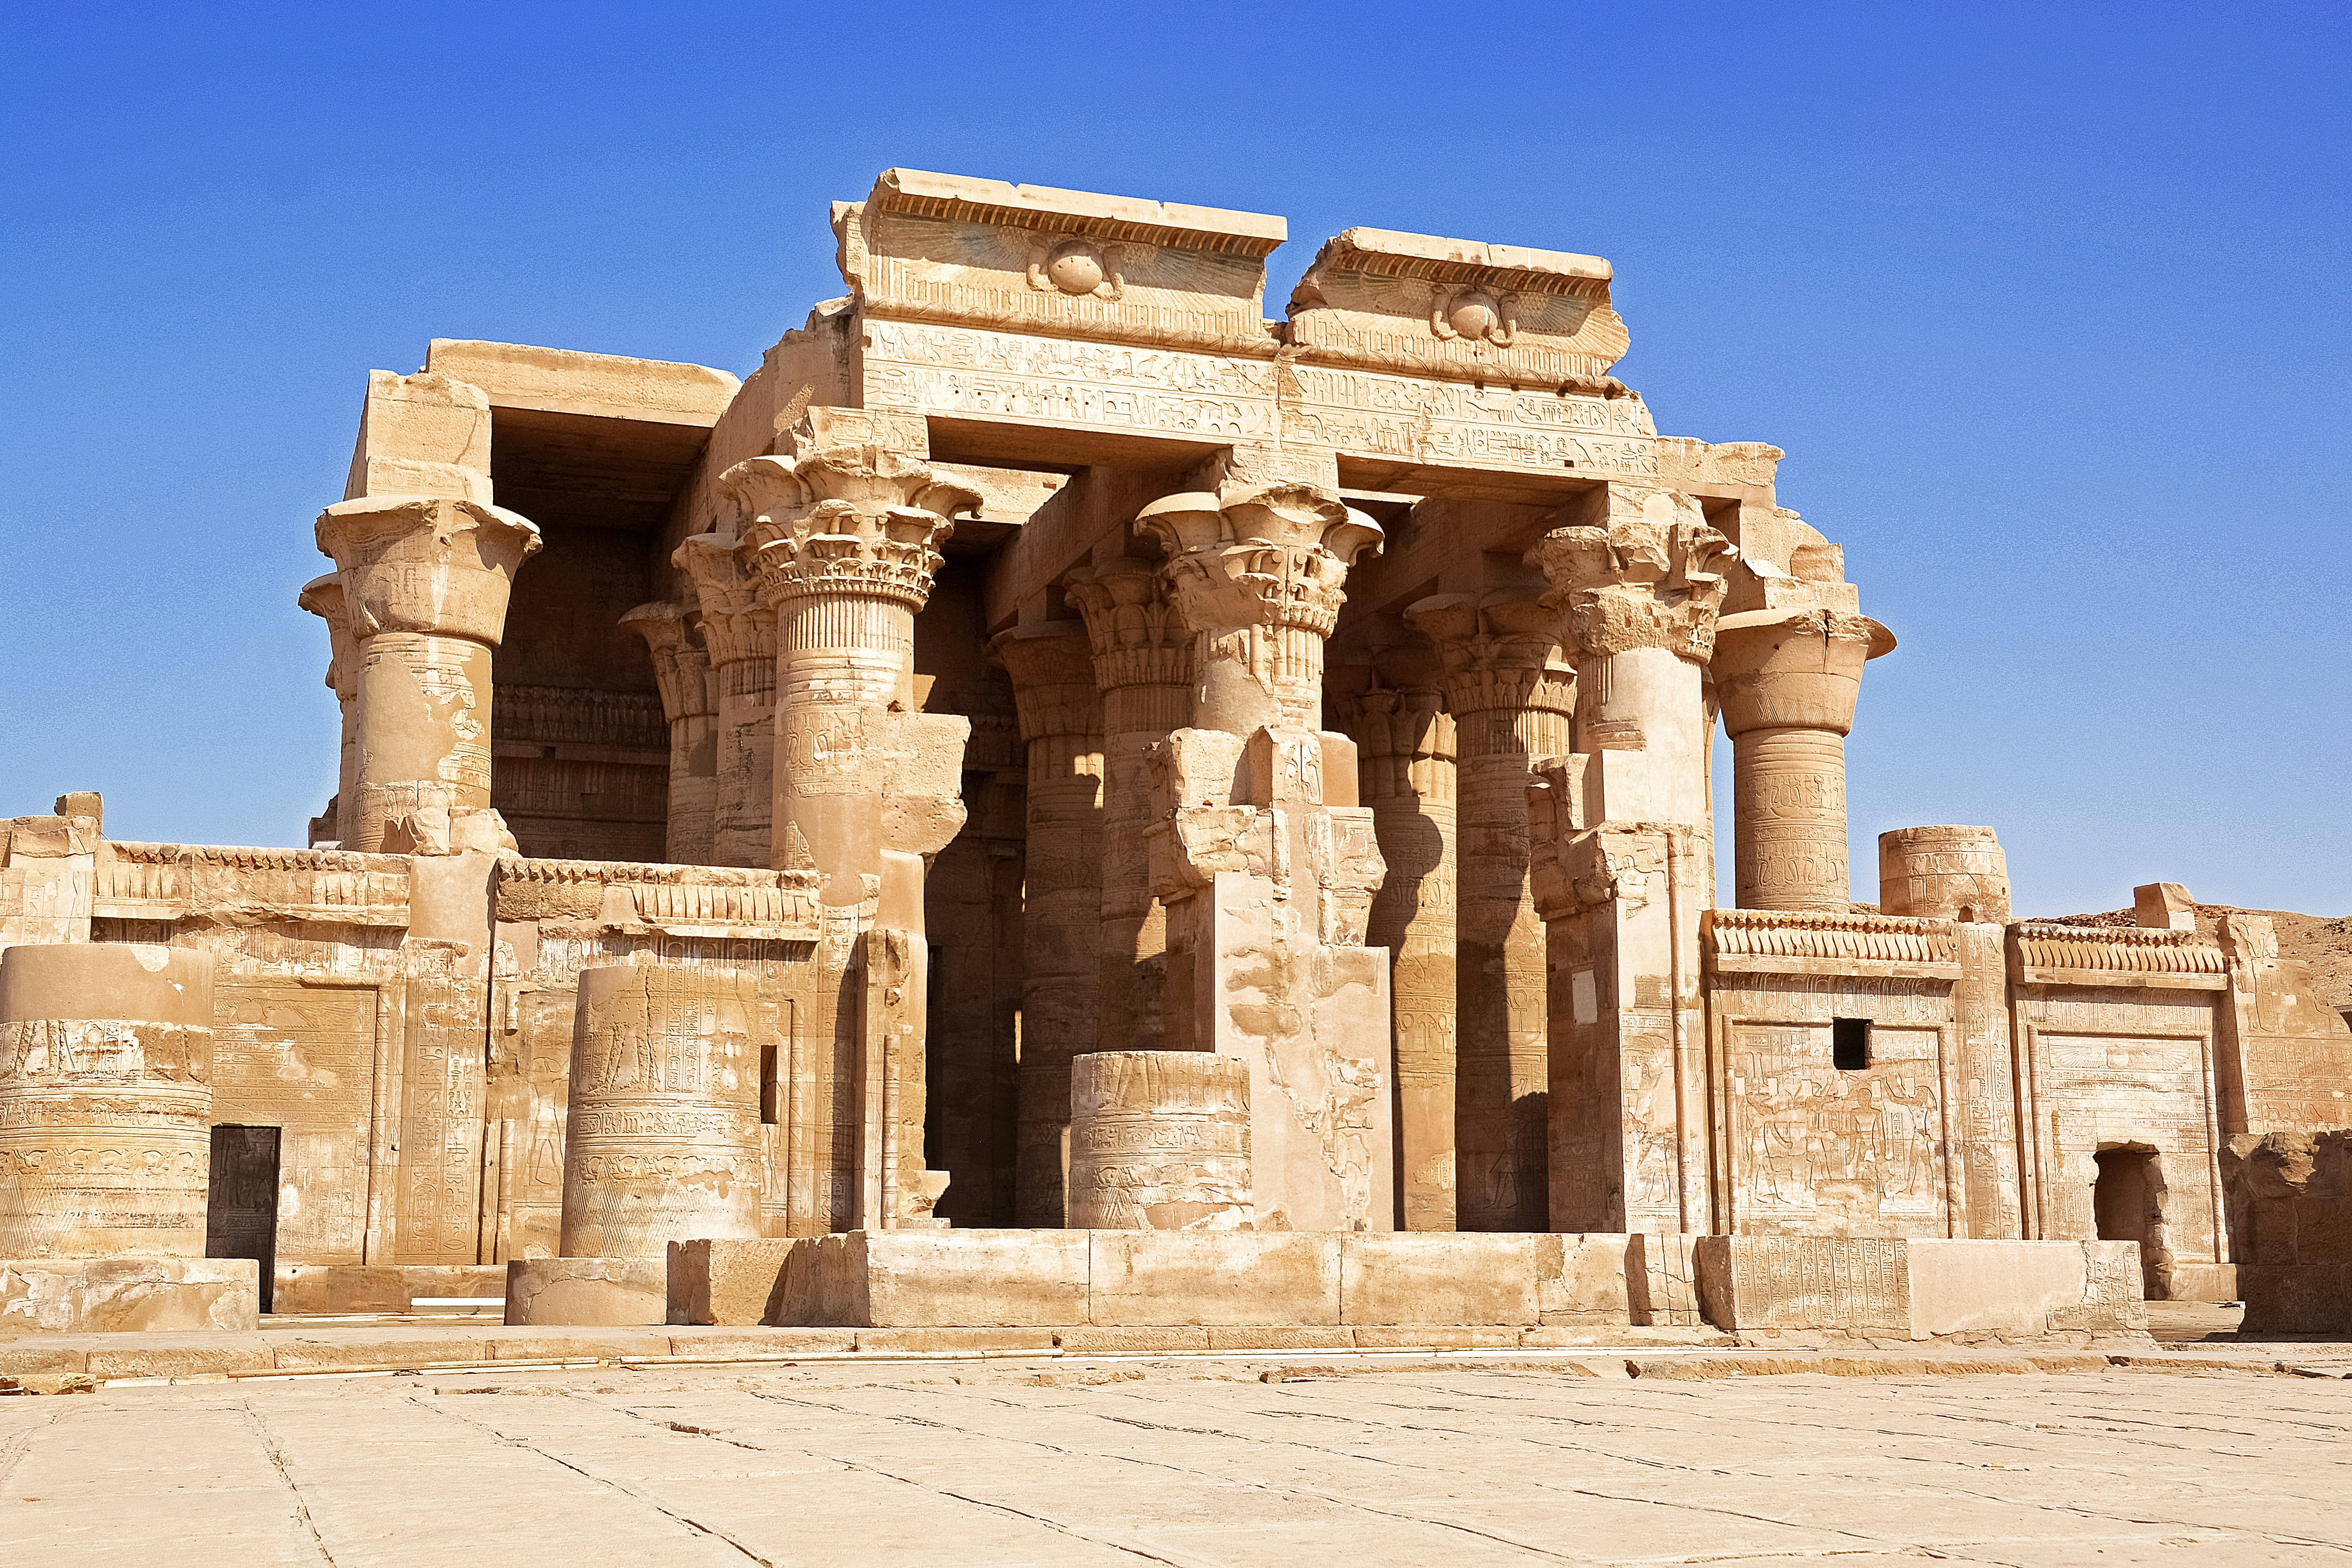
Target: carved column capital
{"x":737,"y":625}
{"x":1053,"y":688}
{"x":854,"y":521}
{"x":430,"y":565}
{"x":1138,"y":638}
{"x":681,"y":667}
{"x":324,"y":597}
{"x":1793,"y":669}
{"x":1272,"y":555}
{"x":1648,"y":579}
{"x":1256,"y":575}
{"x":1503,"y":659}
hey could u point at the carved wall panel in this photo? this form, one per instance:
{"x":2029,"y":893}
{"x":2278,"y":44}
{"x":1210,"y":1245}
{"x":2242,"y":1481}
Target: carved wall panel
{"x":302,"y":1058}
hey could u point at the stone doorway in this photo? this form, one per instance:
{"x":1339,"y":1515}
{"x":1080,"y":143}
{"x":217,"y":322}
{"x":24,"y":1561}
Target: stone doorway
{"x":241,"y":1205}
{"x":2128,"y":1200}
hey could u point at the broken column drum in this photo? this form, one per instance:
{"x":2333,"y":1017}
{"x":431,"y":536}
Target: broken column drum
{"x":1943,"y":873}
{"x":1788,"y":680}
{"x":425,"y":582}
{"x":1158,"y":1141}
{"x":661,"y":1137}
{"x":105,"y":1099}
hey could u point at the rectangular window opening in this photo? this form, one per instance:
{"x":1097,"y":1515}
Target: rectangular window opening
{"x":1850,"y":1043}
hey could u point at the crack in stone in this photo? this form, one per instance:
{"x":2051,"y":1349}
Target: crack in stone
{"x":630,"y":1492}
{"x":277,"y":1457}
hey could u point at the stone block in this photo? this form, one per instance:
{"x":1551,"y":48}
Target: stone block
{"x":297,"y":1353}
{"x":1281,"y":1338}
{"x":605,"y":1344}
{"x":587,"y":1292}
{"x":123,"y":1295}
{"x":1662,"y":1281}
{"x":937,"y":1278}
{"x":2203,"y":1282}
{"x":725,"y":1282}
{"x":737,"y":1344}
{"x":2295,"y":1298}
{"x":2112,"y":1292}
{"x":1137,"y":1340}
{"x":2004,"y":1289}
{"x":1750,"y":1282}
{"x":1586,"y":1279}
{"x":1439,"y":1277}
{"x":934,"y":1342}
{"x":312,"y":1290}
{"x":1230,"y":1278}
{"x":183,"y":1355}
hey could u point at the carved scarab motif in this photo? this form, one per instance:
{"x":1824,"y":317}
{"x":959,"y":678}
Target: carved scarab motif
{"x":1077,"y":266}
{"x":1476,"y":315}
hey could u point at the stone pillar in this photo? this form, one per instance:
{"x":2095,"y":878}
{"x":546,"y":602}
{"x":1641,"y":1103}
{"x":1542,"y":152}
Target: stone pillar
{"x":1142,"y":663}
{"x":424,"y":591}
{"x":843,"y":539}
{"x":324,"y":597}
{"x":1061,"y":907}
{"x":1943,"y":873}
{"x":1159,"y":1141}
{"x":1625,"y":865}
{"x":1405,"y":766}
{"x":106,"y":1053}
{"x":682,"y":668}
{"x":1788,"y":680}
{"x":662,"y":1140}
{"x":738,"y":635}
{"x":1513,"y":696}
{"x":1266,"y":863}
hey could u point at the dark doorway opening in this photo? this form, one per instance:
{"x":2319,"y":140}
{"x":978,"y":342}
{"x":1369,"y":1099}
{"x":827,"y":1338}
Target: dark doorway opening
{"x":1850,"y":1044}
{"x":2127,"y":1200}
{"x":241,"y":1203}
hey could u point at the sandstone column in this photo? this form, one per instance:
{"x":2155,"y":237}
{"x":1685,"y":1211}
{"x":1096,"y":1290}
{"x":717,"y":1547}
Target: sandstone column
{"x":106,"y":1094}
{"x":1263,"y":859}
{"x":739,"y":633}
{"x":843,"y":537}
{"x":425,"y":584}
{"x":1943,"y":873}
{"x":324,"y":597}
{"x":1788,"y":680}
{"x":1158,"y":1141}
{"x":1625,"y":865}
{"x":1512,"y":694}
{"x":1142,"y":663}
{"x":682,"y":668}
{"x":662,"y":1140}
{"x":1061,"y":906}
{"x":1406,"y":754}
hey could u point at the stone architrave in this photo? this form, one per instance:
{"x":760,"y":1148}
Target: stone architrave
{"x":1142,"y":664}
{"x":662,"y":1135}
{"x":324,"y":597}
{"x":1405,"y":744}
{"x":1624,"y":865}
{"x":1266,"y":864}
{"x":1788,"y":680}
{"x":106,"y":1055}
{"x":1061,"y":715}
{"x":739,"y":637}
{"x":1158,"y":1141}
{"x":425,"y":582}
{"x":682,"y":669}
{"x":1512,"y":692}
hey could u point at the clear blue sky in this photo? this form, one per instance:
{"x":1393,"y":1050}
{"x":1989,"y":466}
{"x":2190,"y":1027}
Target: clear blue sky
{"x":2046,"y":303}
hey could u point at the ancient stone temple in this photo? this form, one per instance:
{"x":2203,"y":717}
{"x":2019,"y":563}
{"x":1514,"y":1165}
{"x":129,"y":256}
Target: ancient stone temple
{"x":1060,"y":799}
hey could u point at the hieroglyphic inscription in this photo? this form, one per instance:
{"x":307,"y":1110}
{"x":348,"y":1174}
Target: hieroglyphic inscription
{"x":1805,"y":1282}
{"x":441,"y":1123}
{"x":302,"y":1059}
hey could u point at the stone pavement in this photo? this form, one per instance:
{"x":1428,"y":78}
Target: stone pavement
{"x":1131,"y":1461}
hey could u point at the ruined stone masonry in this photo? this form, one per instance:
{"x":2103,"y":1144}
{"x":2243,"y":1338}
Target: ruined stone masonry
{"x":1059,"y":799}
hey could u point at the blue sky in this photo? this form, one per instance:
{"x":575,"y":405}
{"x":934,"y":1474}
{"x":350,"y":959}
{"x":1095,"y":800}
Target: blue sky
{"x":2046,"y":303}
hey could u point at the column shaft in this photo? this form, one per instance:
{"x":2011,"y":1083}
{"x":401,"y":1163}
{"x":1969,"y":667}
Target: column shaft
{"x":1787,"y":794}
